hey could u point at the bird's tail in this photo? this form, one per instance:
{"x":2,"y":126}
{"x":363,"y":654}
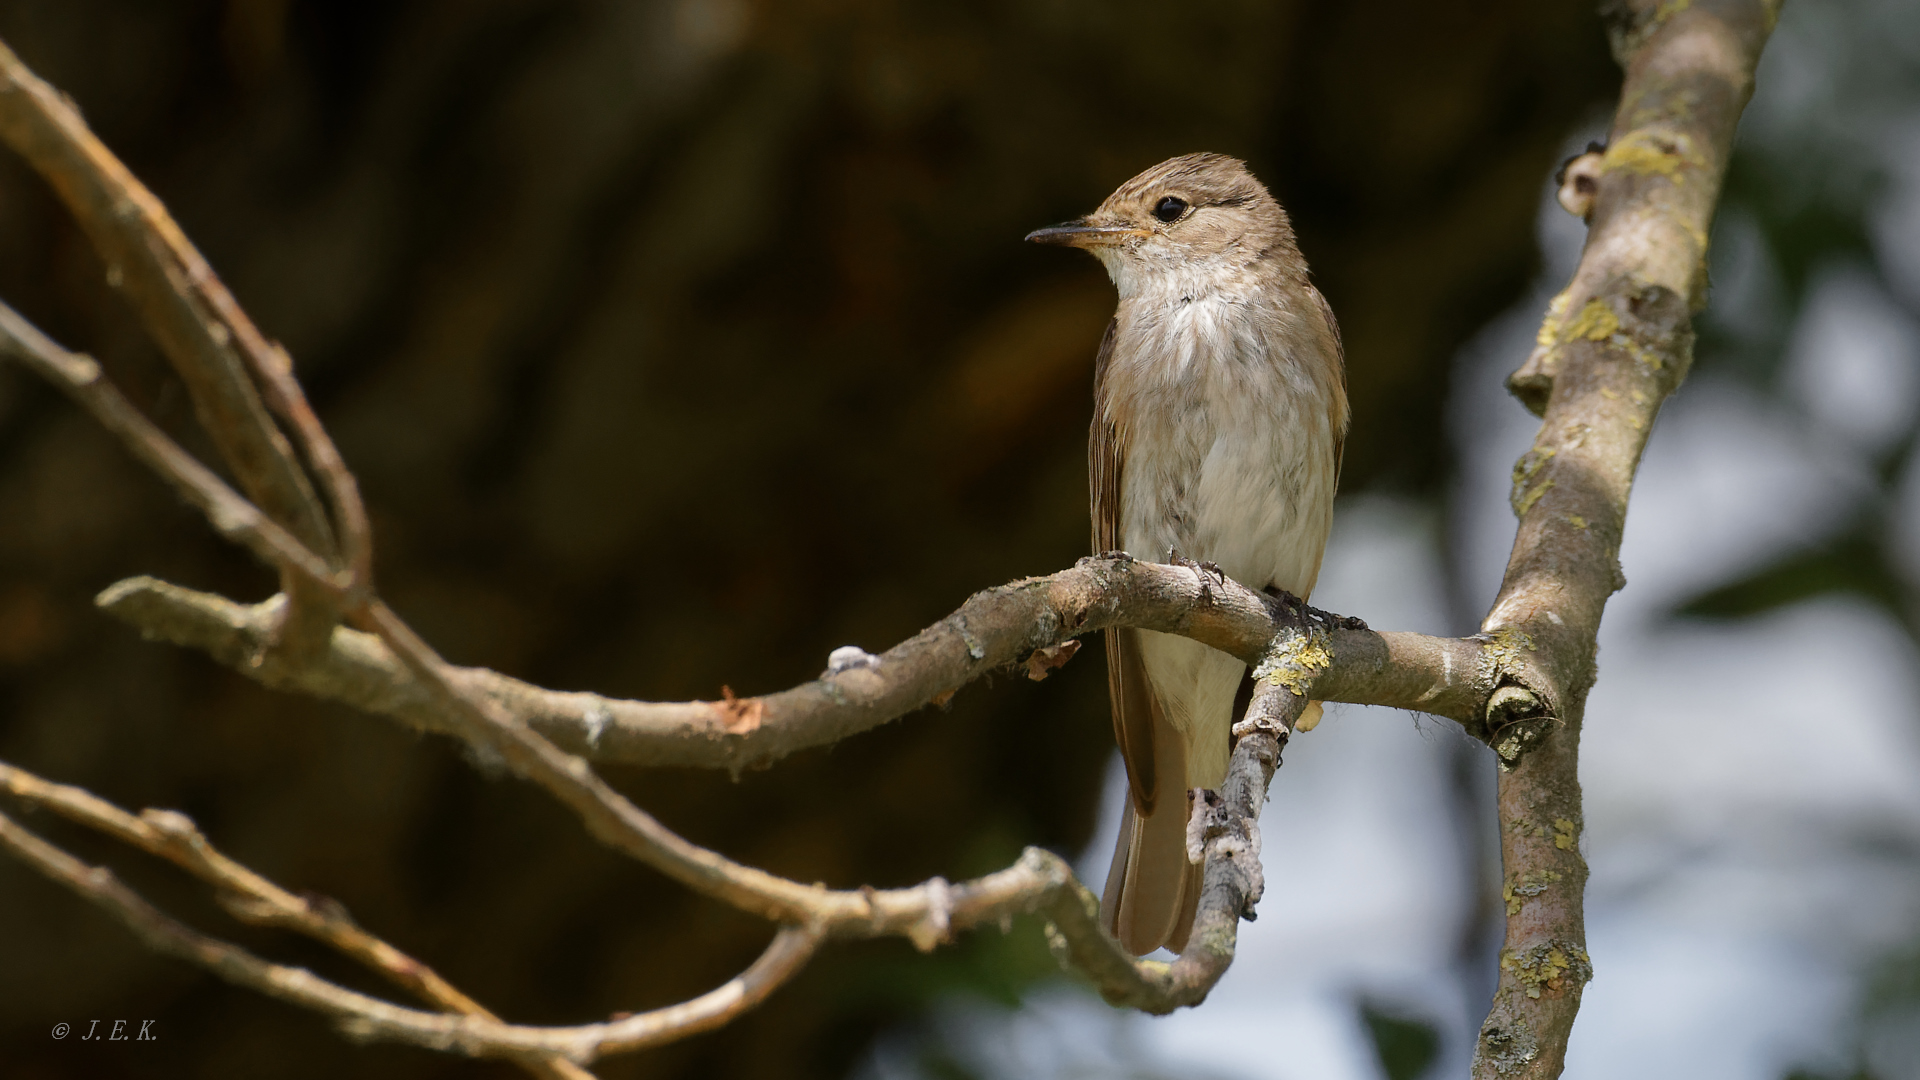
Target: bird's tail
{"x":1152,"y":889}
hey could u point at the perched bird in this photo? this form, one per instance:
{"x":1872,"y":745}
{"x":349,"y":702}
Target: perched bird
{"x":1220,"y":407}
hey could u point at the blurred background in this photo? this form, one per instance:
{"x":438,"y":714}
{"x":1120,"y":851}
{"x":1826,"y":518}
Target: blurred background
{"x":678,"y":342}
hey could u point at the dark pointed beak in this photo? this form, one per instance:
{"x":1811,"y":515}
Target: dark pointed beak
{"x":1079,"y":234}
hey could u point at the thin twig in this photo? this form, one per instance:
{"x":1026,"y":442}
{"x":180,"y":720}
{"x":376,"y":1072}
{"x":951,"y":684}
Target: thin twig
{"x":204,"y":333}
{"x":251,"y":898}
{"x":369,"y":1017}
{"x":231,"y":515}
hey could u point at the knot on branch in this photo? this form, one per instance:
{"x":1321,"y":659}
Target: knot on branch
{"x":1207,"y":819}
{"x":1651,"y":323}
{"x":1578,"y":181}
{"x":1516,"y":722}
{"x":1516,"y":718}
{"x":1507,"y":1043}
{"x":935,"y":925}
{"x":1234,"y":841}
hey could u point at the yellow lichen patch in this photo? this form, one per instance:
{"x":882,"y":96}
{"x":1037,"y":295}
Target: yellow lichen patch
{"x":1609,"y":393}
{"x":1517,"y":893}
{"x":1506,"y":644}
{"x":1547,"y":966}
{"x":1523,"y":471}
{"x":1651,"y":153}
{"x":1502,"y":652}
{"x":1526,"y":501}
{"x":1294,"y":662}
{"x":1549,"y":335}
{"x":1531,"y":462}
{"x":1564,"y":833}
{"x":1523,"y":827}
{"x":1576,"y":521}
{"x":1595,"y":322}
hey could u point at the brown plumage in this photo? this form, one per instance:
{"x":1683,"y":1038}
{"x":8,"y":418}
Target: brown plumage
{"x":1219,"y":410}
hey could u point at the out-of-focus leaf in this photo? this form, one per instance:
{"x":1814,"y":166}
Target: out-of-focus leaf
{"x":1406,"y":1047}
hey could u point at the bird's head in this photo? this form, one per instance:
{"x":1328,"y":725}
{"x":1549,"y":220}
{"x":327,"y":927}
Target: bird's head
{"x":1197,"y":214}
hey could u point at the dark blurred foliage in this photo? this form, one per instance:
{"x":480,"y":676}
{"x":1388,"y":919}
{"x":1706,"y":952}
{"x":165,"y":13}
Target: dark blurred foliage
{"x":1799,"y":205}
{"x":1807,"y":200}
{"x":674,"y":344}
{"x":1407,"y":1047}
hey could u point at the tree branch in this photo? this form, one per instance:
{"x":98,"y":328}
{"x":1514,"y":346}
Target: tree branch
{"x":230,"y":515}
{"x":1449,"y":677}
{"x":253,"y":899}
{"x":1614,"y":345}
{"x":367,"y":1017}
{"x":202,"y":330}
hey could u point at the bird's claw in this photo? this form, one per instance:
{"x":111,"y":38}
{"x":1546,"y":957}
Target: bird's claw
{"x":1335,"y":622}
{"x":1306,"y":612}
{"x":1202,"y":570}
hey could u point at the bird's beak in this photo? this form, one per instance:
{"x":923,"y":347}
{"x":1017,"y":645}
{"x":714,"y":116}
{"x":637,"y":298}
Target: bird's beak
{"x":1080,"y":234}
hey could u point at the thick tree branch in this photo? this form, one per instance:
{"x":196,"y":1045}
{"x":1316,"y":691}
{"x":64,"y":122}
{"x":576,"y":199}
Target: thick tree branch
{"x":1613,"y":346}
{"x":1449,"y":677}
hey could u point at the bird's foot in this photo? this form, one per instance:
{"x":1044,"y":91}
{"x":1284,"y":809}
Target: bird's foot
{"x":1336,"y":622}
{"x":1202,"y":570}
{"x":1306,"y":612}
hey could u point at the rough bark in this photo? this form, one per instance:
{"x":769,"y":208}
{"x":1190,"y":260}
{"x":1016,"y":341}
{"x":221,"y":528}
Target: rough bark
{"x":1613,"y":346}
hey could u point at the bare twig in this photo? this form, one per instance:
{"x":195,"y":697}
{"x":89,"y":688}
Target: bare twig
{"x":230,"y":515}
{"x":368,"y":1017}
{"x":1039,"y":882}
{"x":203,"y":331}
{"x":1614,"y":345}
{"x":252,"y":898}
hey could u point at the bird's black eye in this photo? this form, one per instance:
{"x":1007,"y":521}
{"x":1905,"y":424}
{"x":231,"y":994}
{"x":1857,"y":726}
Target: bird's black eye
{"x":1169,"y":208}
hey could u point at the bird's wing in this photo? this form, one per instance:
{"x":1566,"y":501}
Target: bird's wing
{"x":1336,"y":403}
{"x":1151,"y":888}
{"x":1134,"y":707}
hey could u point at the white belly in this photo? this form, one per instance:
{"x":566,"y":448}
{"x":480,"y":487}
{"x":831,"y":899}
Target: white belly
{"x":1230,"y":462}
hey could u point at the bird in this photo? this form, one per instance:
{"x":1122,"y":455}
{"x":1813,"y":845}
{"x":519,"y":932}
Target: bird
{"x":1219,"y":418}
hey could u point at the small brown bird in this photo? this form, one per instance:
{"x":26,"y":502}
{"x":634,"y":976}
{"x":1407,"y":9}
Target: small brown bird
{"x":1220,"y":406}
